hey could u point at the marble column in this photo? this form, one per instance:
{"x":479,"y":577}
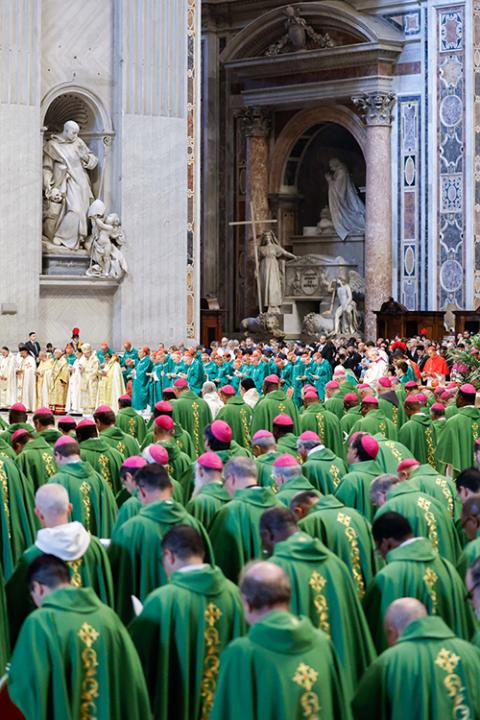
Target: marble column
{"x":376,"y":109}
{"x":256,"y":126}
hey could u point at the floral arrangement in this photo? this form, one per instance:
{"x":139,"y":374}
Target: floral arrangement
{"x":465,"y":363}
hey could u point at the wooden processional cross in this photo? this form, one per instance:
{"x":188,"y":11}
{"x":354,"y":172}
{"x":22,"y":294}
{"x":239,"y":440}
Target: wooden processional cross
{"x":254,"y":223}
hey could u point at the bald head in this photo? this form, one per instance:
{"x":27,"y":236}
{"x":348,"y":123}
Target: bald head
{"x":264,"y":587}
{"x":401,"y":613}
{"x":52,"y":506}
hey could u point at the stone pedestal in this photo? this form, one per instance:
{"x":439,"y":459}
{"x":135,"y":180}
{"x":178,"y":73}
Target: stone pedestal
{"x":376,"y":109}
{"x":70,"y":263}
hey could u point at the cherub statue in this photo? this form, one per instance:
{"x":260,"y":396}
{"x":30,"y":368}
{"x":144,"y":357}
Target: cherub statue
{"x":106,"y":258}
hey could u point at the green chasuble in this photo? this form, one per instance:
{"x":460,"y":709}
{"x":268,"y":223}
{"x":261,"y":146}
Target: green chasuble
{"x":121,"y":441}
{"x":193,"y":414}
{"x":74,"y":659}
{"x":105,"y":459}
{"x":93,"y":502}
{"x":6,"y":450}
{"x":4,"y":635}
{"x":90,"y":569}
{"x":235,"y":533}
{"x":268,"y":407}
{"x":389,"y":404}
{"x":182,"y":438}
{"x":438,"y":486}
{"x":376,"y":422}
{"x":427,"y":517}
{"x":205,"y":505}
{"x":128,"y":420}
{"x":292,"y":487}
{"x":136,"y":553}
{"x":129,"y":509}
{"x":390,"y":454}
{"x":428,"y":674}
{"x":288,"y":444}
{"x":7,"y":434}
{"x":264,"y":467}
{"x":456,"y":445}
{"x":354,"y":488}
{"x":282,"y":670}
{"x":324,"y":469}
{"x":323,"y":590}
{"x":239,"y":416}
{"x":180,"y":635}
{"x":335,"y":405}
{"x":326,"y":424}
{"x":50,"y":436}
{"x":17,"y":521}
{"x":418,"y":436}
{"x":438,"y":428}
{"x":347,"y":534}
{"x":36,"y":462}
{"x":415,"y":570}
{"x":451,"y":410}
{"x":349,"y":419}
{"x":179,"y":465}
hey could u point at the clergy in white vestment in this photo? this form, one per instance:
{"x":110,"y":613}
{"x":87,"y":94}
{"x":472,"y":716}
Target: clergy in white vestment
{"x":26,"y":378}
{"x":8,"y":384}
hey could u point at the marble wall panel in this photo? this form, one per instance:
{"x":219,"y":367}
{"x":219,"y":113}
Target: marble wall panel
{"x":451,"y":139}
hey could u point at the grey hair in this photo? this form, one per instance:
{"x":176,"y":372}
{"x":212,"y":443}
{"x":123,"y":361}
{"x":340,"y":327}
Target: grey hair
{"x":286,"y":473}
{"x":241,"y":467}
{"x":52,"y":499}
{"x":308,"y":444}
{"x":264,"y":442}
{"x":382,"y":484}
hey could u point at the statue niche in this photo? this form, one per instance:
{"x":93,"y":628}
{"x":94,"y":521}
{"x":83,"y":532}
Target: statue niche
{"x":78,"y":236}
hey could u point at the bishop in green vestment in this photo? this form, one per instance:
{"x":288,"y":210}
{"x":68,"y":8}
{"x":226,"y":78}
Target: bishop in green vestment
{"x":456,"y":444}
{"x":237,"y":414}
{"x":4,"y":634}
{"x":209,"y":494}
{"x":390,"y":454}
{"x":287,"y":477}
{"x":192,"y":413}
{"x":322,"y":589}
{"x":96,"y":451}
{"x":135,"y":553}
{"x":73,"y":657}
{"x":265,"y":452}
{"x":374,"y":421}
{"x":17,"y":420}
{"x":414,"y":569}
{"x":417,"y":433}
{"x":429,"y":481}
{"x":343,"y":530}
{"x":426,"y":515}
{"x":235,"y":533}
{"x":93,"y":502}
{"x":184,"y":627}
{"x":320,"y":464}
{"x":354,"y":488}
{"x":274,"y":402}
{"x":17,"y":521}
{"x":129,"y":420}
{"x":318,"y":419}
{"x":83,"y":553}
{"x":123,"y":442}
{"x":284,"y":668}
{"x":427,"y":673}
{"x":34,"y":458}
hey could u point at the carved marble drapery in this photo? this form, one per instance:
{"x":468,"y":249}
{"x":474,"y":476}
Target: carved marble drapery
{"x":376,"y":110}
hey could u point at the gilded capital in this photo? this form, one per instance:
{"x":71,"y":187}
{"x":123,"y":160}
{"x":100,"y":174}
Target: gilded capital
{"x":375,"y":108}
{"x":256,"y":122}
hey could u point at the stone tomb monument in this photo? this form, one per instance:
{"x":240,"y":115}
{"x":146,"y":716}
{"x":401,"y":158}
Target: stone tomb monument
{"x":324,"y":290}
